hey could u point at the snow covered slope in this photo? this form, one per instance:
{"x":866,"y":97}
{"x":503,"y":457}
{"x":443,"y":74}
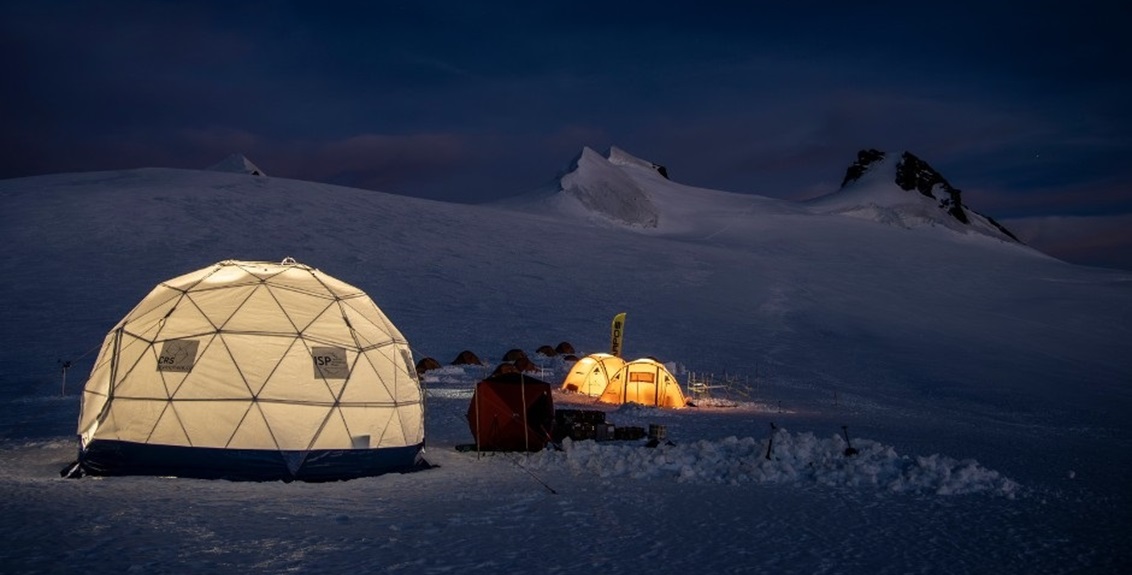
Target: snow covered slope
{"x":724,"y":282}
{"x":923,"y":341}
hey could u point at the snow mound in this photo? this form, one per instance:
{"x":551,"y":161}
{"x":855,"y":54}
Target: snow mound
{"x":795,"y":458}
{"x":237,"y":164}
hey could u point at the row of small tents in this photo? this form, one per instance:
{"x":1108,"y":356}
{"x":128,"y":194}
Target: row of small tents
{"x":515,"y":360}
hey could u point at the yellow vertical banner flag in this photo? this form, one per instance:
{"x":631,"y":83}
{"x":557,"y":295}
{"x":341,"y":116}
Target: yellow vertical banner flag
{"x":616,"y":333}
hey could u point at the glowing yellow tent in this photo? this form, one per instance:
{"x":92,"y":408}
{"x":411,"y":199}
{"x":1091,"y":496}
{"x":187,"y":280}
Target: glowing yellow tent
{"x":646,"y":382}
{"x":253,"y":370}
{"x":590,"y":375}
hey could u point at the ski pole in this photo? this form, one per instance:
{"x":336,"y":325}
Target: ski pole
{"x":770,"y":442}
{"x":849,"y":451}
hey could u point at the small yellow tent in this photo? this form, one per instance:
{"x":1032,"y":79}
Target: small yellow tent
{"x":590,"y":375}
{"x":644,"y":381}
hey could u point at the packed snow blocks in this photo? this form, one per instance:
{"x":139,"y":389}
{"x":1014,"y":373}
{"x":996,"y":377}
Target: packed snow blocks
{"x":253,"y":371}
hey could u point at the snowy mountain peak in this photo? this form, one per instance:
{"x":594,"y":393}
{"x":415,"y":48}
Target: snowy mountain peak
{"x":865,"y":160}
{"x":907,"y":192}
{"x":912,"y":173}
{"x":602,"y":187}
{"x":238,"y":164}
{"x":619,"y":157}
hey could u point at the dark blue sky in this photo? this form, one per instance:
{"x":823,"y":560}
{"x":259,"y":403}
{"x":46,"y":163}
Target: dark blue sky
{"x":1024,"y":106}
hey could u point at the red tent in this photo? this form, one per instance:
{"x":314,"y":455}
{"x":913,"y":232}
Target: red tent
{"x":511,"y":412}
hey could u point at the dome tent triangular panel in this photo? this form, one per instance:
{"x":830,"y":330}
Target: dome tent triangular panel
{"x":330,"y":328}
{"x":214,"y":427}
{"x":261,"y":313}
{"x":334,"y":431}
{"x":167,"y":428}
{"x":370,"y":384}
{"x":224,"y":381}
{"x":300,"y":315}
{"x":186,"y":316}
{"x":217,"y":379}
{"x":253,"y":432}
{"x":218,"y":305}
{"x":296,"y":280}
{"x":148,"y":315}
{"x":258,"y":357}
{"x":127,"y":417}
{"x":295,"y":425}
{"x":130,"y":354}
{"x":376,"y":327}
{"x":280,"y":385}
{"x":362,"y":427}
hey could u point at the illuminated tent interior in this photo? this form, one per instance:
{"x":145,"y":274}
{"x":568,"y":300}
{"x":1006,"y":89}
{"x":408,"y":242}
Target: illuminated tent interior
{"x":644,"y":381}
{"x":590,"y":375}
{"x":253,"y":371}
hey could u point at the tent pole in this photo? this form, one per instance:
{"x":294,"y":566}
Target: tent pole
{"x":66,"y":365}
{"x":526,"y":428}
{"x":624,"y":385}
{"x":476,"y":395}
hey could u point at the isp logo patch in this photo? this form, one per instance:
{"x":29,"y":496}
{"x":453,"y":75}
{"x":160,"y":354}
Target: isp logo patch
{"x":330,"y":363}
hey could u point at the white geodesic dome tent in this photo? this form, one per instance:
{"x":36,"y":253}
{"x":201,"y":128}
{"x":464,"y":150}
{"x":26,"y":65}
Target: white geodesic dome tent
{"x":253,"y":370}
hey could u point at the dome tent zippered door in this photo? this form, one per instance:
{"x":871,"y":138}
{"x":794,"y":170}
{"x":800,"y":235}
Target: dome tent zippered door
{"x":253,"y":371}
